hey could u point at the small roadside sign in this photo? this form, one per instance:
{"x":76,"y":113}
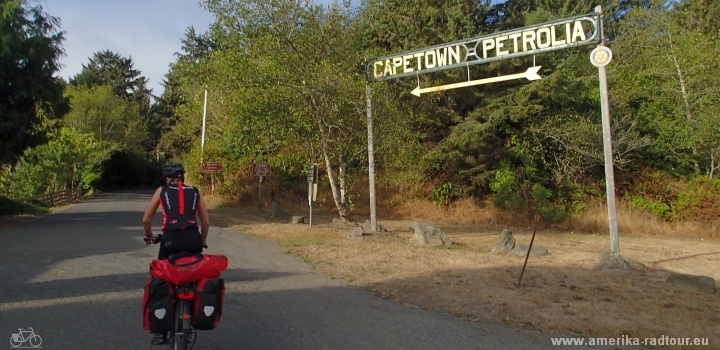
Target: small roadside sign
{"x":312,"y":174}
{"x":212,"y":168}
{"x":261,"y":169}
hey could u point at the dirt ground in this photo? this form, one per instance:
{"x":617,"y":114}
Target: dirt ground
{"x":562,"y":292}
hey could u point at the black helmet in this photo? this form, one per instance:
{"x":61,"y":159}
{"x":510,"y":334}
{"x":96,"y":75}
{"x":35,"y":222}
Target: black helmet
{"x":173,"y":170}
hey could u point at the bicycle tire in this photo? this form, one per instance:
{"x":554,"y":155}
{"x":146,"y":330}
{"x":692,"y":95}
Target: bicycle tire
{"x":185,"y":326}
{"x":35,"y":341}
{"x":178,"y":326}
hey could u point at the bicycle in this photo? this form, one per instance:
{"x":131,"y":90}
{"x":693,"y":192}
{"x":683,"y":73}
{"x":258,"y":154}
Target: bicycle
{"x":183,"y":296}
{"x":17,"y":339}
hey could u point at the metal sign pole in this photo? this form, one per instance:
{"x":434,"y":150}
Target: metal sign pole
{"x":371,"y":159}
{"x":310,"y":200}
{"x":259,"y":193}
{"x":212,"y":182}
{"x":607,"y":146}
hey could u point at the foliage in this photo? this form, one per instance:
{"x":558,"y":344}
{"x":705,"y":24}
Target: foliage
{"x":69,"y":159}
{"x":31,"y":98}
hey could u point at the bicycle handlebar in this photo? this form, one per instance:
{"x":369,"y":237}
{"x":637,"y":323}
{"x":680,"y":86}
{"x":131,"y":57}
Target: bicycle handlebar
{"x":158,"y":239}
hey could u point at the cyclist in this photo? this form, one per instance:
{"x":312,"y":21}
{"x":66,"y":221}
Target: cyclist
{"x":180,"y":204}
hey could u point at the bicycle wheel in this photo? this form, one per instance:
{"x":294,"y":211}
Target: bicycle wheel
{"x":35,"y":341}
{"x":15,"y":343}
{"x":177,"y":329}
{"x":185,"y":325}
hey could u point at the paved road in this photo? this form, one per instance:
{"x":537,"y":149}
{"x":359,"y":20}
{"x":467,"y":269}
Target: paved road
{"x":76,"y":277}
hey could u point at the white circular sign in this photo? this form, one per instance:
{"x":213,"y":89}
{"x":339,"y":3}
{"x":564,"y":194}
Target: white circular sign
{"x":601,"y":56}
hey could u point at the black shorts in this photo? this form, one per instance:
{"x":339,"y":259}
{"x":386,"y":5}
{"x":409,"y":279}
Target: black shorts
{"x":180,"y":241}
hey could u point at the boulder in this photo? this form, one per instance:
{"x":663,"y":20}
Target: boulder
{"x":522,"y":249}
{"x":428,"y":234}
{"x":355,"y":233}
{"x":505,"y":243}
{"x":366,"y":227}
{"x":610,"y":260}
{"x":692,"y":283}
{"x":278,"y":212}
{"x":297,"y":220}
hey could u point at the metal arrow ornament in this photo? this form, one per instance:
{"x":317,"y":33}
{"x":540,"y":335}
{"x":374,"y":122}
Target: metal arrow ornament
{"x":530,"y":74}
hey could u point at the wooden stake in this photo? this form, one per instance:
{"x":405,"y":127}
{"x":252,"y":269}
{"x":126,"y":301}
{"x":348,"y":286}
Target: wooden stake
{"x":529,"y":248}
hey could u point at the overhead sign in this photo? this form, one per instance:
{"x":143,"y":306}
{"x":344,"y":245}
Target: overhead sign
{"x":529,"y":74}
{"x":261,"y":169}
{"x":550,"y":36}
{"x":600,"y":56}
{"x":212,"y":168}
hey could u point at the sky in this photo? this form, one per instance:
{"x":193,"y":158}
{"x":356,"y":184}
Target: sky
{"x":147,"y":31}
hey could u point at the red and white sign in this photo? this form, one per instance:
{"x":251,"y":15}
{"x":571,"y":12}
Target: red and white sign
{"x":212,"y":168}
{"x":261,"y":169}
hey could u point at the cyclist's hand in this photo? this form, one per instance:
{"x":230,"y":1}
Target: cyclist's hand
{"x":205,"y":246}
{"x":149,"y":240}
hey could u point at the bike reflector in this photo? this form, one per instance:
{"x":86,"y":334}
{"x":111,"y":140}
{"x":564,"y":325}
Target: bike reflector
{"x":189,"y":269}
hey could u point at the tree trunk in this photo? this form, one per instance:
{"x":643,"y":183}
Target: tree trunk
{"x":684,"y":92}
{"x":344,"y":213}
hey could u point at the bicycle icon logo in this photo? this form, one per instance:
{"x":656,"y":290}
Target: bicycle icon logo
{"x":19,"y":338}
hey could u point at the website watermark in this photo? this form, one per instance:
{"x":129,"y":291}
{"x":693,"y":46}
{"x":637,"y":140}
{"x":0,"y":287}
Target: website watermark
{"x":628,"y":341}
{"x":25,"y":339}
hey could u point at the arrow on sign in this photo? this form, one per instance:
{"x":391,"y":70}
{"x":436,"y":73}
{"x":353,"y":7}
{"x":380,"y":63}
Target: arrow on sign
{"x":530,"y":74}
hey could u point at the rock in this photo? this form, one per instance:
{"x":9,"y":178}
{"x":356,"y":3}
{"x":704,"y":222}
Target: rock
{"x":505,"y":243}
{"x":428,"y":234}
{"x":367,"y":228}
{"x":297,"y":220}
{"x":278,"y":212}
{"x":692,"y":283}
{"x":610,"y":260}
{"x":355,"y":233}
{"x":522,"y":249}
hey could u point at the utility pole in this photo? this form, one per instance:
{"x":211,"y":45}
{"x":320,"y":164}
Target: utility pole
{"x":202,"y":142}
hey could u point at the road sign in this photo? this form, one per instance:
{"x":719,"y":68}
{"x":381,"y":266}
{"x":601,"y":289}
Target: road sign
{"x":212,"y":168}
{"x":529,"y":74}
{"x":545,"y":37}
{"x":312,"y":174}
{"x":600,"y":56}
{"x":261,"y":169}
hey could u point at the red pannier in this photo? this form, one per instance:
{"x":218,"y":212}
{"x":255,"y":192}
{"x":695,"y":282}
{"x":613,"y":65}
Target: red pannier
{"x":189,"y":269}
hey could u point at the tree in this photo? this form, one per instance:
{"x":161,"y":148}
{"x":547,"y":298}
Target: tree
{"x":112,"y":121}
{"x":31,"y":96}
{"x":109,"y":68}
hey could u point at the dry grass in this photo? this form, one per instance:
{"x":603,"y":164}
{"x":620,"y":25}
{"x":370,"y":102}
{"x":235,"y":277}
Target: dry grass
{"x":562,"y":292}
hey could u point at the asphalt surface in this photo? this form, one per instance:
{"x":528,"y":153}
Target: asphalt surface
{"x":76,"y":277}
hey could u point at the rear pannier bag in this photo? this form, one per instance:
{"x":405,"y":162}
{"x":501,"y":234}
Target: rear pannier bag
{"x":189,"y":269}
{"x":158,"y":306}
{"x":207,"y":306}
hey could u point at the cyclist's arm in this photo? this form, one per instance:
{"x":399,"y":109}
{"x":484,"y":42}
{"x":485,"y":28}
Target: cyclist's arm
{"x":150,"y":212}
{"x":204,"y":220}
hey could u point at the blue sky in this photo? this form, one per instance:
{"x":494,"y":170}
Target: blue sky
{"x":148,"y":31}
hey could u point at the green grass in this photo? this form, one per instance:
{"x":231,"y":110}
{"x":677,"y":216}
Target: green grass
{"x":11,"y":207}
